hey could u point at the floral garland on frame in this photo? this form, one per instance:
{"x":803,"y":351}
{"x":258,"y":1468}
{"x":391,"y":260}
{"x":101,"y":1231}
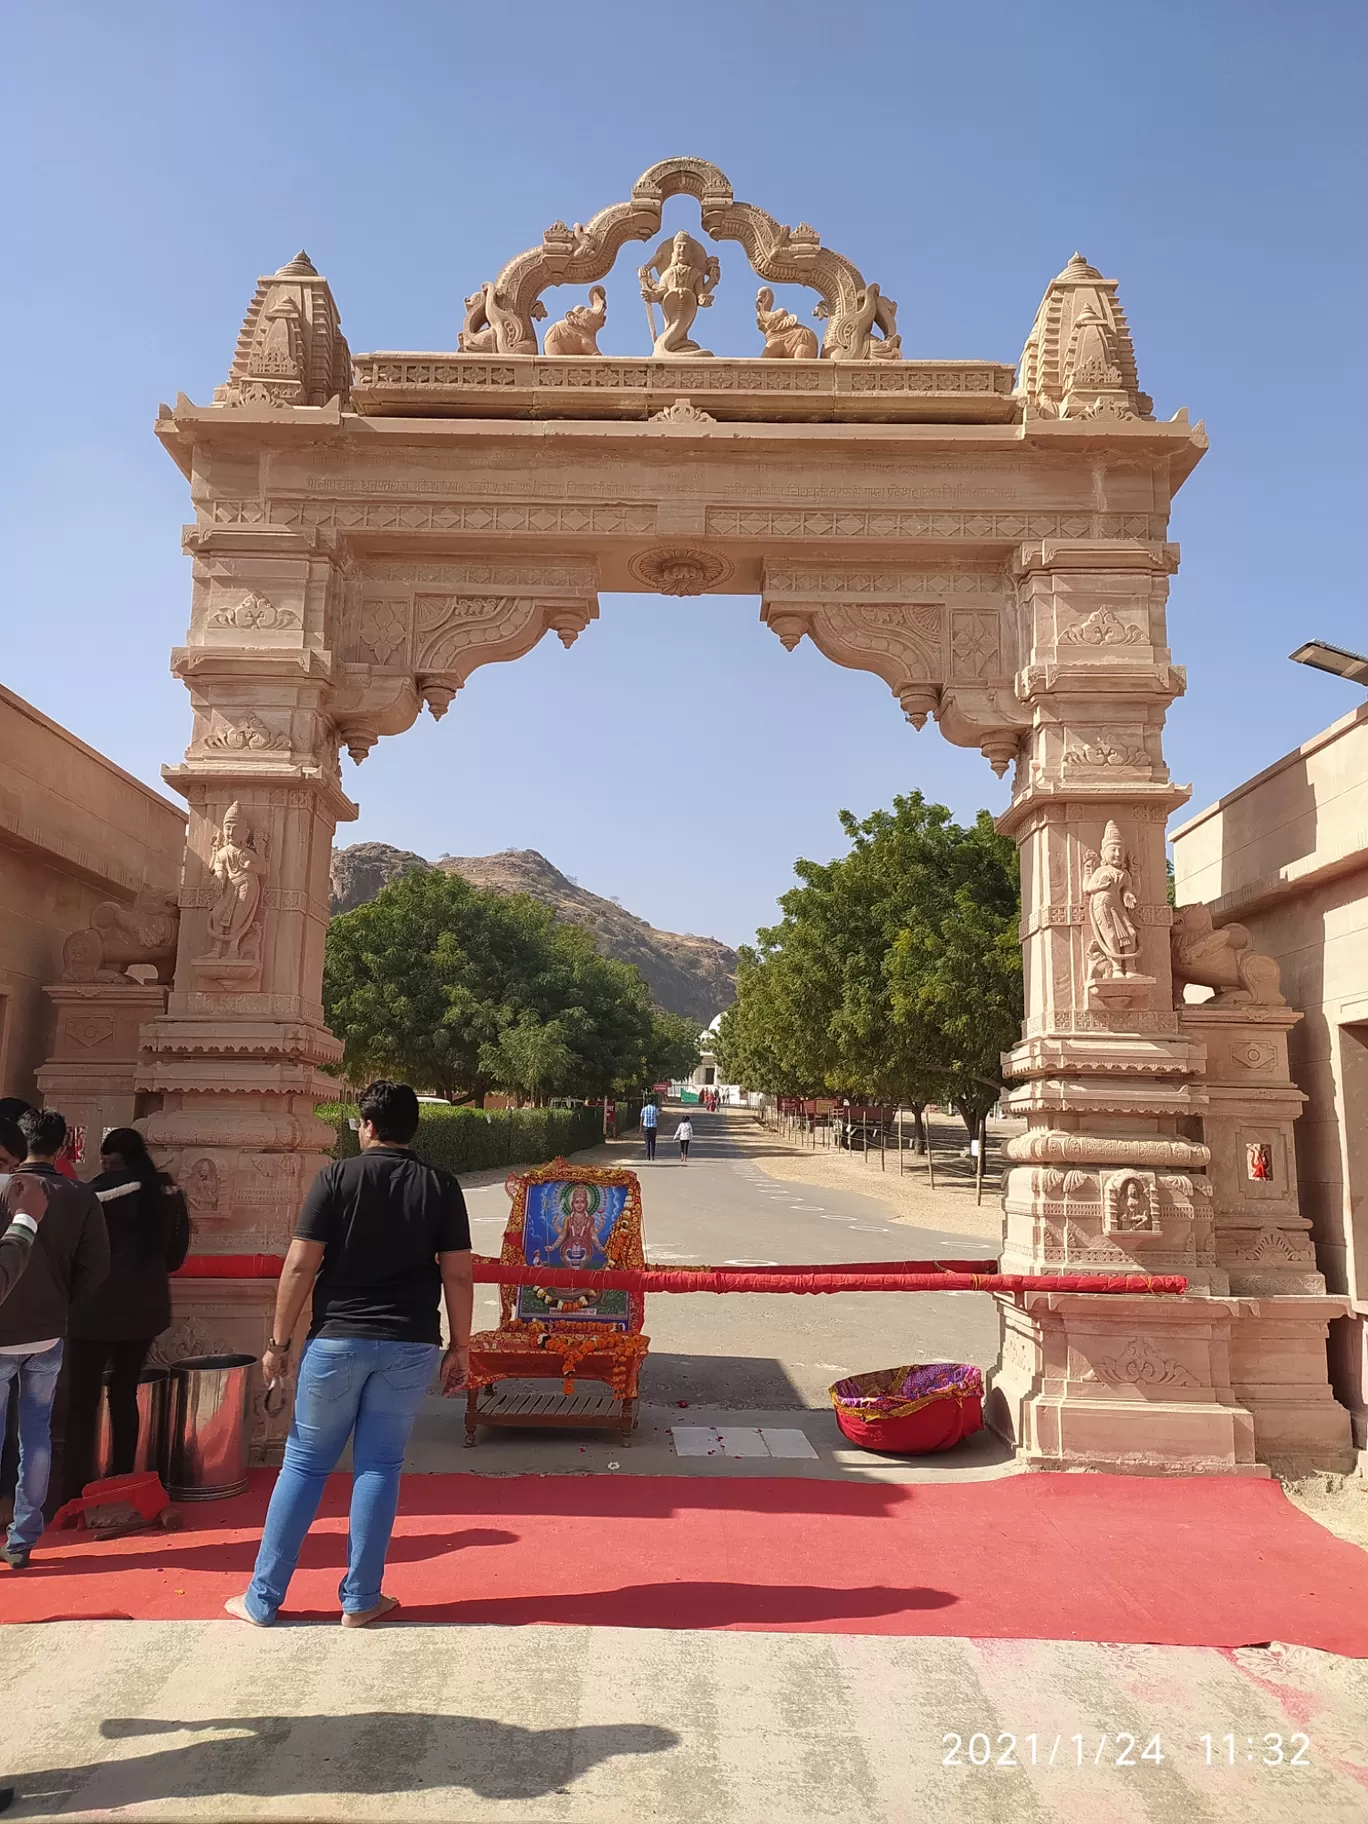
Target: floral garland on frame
{"x":625,"y":1351}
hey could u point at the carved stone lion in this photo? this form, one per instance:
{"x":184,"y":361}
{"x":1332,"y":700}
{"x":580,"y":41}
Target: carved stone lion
{"x":120,"y":935}
{"x":1223,"y":959}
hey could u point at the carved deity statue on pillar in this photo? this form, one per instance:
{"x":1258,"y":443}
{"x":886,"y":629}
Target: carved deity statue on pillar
{"x":1110,"y":890}
{"x":681,"y":278}
{"x":240,"y":869}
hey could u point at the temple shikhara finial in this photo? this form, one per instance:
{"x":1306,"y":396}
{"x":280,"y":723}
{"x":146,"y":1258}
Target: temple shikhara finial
{"x":291,"y":350}
{"x":1079,"y":360}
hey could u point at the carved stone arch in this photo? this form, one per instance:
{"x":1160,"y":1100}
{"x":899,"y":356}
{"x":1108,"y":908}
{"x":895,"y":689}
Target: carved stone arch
{"x":788,"y":256}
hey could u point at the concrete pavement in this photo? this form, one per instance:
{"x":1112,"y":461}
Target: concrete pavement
{"x":566,"y":1725}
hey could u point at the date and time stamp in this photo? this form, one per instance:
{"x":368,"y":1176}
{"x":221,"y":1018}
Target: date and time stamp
{"x":1117,"y":1748}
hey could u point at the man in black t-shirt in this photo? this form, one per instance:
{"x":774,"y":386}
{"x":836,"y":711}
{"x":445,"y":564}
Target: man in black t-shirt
{"x":380,"y":1238}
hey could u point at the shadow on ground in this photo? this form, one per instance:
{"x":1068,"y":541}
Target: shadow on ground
{"x":369,"y":1752}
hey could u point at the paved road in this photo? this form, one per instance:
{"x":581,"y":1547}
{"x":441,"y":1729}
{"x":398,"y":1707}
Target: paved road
{"x":772,"y":1353}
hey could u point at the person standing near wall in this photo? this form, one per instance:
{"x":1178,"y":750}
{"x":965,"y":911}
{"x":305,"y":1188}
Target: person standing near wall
{"x":70,"y":1258}
{"x":380,"y":1237}
{"x":115,"y":1325}
{"x":650,"y":1121}
{"x":23,"y":1204}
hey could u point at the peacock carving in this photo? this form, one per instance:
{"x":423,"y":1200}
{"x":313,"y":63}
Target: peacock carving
{"x":492,"y":329}
{"x":850,"y":327}
{"x":576,"y":333}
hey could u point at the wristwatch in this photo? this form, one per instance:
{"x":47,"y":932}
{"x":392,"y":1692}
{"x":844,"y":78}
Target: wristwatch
{"x":275,"y":1348}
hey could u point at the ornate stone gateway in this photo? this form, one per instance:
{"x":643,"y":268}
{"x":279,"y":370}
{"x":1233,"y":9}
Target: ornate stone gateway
{"x":991,"y":542}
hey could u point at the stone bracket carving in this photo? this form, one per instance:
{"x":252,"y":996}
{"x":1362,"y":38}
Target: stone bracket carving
{"x":416,"y":631}
{"x":902,"y":642}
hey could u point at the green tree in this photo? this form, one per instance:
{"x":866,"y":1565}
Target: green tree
{"x":672,"y":1048}
{"x":531,"y":1059}
{"x":463,"y":990}
{"x":895,"y":971}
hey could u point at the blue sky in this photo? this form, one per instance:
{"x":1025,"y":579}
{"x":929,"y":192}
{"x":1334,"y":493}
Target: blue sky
{"x":1209,"y":156}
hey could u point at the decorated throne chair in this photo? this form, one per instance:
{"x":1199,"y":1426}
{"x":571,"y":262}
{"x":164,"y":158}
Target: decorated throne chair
{"x":564,"y":1216}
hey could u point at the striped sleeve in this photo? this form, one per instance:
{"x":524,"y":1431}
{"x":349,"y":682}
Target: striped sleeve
{"x":15,"y":1244}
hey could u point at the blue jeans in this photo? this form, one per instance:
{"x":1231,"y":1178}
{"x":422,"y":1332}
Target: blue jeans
{"x":349,"y":1387}
{"x":37,"y":1378}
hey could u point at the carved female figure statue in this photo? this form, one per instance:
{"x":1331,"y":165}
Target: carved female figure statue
{"x":681,"y":278}
{"x":786,"y":339}
{"x":240,"y":870}
{"x":1111,"y":900}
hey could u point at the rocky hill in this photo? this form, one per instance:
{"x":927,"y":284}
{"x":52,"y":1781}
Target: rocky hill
{"x":689,"y":975}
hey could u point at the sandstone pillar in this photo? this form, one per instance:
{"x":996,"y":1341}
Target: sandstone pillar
{"x":236,"y":1061}
{"x":1106,"y":1178}
{"x":1281,"y":1312}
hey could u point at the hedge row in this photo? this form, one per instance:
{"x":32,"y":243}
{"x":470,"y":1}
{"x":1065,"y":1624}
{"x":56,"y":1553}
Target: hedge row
{"x":476,"y":1139}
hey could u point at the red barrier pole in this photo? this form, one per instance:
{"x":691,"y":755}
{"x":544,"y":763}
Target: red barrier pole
{"x":875,"y":1277}
{"x":820,"y":1279}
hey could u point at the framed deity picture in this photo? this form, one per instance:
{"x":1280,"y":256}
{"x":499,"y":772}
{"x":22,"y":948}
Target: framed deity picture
{"x":565,"y":1215}
{"x":1259,"y":1160}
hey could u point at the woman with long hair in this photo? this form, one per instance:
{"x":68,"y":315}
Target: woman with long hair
{"x":115,"y":1326}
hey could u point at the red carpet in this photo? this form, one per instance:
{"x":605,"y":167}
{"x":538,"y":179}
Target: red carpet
{"x":1190,"y":1561}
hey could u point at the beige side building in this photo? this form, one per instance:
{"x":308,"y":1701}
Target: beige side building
{"x":76,"y":833}
{"x":1286,"y":856}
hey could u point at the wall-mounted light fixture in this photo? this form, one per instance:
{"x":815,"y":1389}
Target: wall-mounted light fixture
{"x":1324,"y":657}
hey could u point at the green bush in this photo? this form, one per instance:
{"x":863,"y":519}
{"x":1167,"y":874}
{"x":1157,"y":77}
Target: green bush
{"x":476,"y":1139}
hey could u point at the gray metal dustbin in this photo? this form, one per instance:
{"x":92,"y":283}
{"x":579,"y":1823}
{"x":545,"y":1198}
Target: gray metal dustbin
{"x":154,"y":1407}
{"x":209,"y":1410}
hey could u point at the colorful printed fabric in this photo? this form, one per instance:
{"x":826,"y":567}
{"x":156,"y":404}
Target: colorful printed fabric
{"x":893,"y":1392}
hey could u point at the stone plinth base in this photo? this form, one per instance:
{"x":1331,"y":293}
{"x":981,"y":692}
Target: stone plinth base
{"x":1132,"y":1385}
{"x":1279,"y":1372}
{"x":91,"y":1076}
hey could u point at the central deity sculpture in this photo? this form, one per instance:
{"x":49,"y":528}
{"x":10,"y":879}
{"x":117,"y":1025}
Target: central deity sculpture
{"x":681,"y":278}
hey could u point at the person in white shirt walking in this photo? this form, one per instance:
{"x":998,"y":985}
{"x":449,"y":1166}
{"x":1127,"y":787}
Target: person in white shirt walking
{"x":684,"y":1133}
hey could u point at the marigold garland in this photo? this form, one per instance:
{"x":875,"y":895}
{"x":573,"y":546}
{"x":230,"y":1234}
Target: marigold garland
{"x":573,"y":1347}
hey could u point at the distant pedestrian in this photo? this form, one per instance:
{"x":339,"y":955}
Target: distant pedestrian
{"x":114,"y":1326}
{"x":70,"y":1257}
{"x":650,"y":1121}
{"x":684,"y":1134}
{"x":380,"y":1238}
